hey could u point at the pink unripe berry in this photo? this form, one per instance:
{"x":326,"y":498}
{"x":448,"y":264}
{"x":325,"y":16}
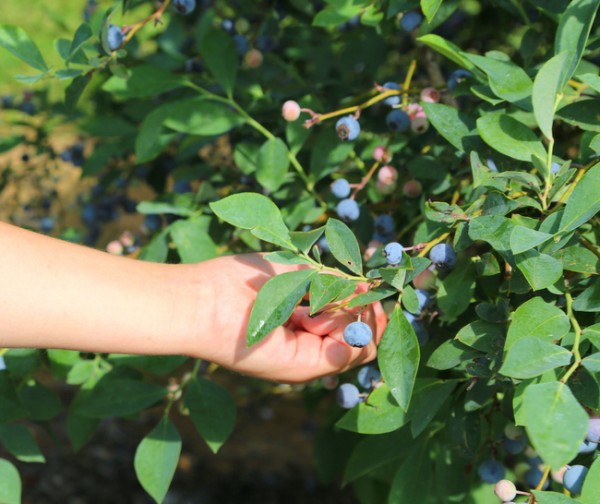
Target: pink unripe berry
{"x":412,"y":189}
{"x":127,"y":239}
{"x":414,"y":111}
{"x":559,"y":474}
{"x":387,"y":175}
{"x":253,"y":58}
{"x":430,"y":95}
{"x":115,"y":247}
{"x":330,"y":382}
{"x":505,"y":490}
{"x":381,"y":154}
{"x":424,"y":280}
{"x":290,"y":110}
{"x":419,"y":125}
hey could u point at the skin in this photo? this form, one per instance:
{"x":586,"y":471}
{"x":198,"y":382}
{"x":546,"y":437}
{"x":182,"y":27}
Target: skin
{"x":62,"y":295}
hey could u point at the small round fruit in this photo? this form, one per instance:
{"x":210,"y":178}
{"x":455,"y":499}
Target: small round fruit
{"x":588,"y":447}
{"x":457,"y":77}
{"x":392,"y":100}
{"x":340,"y":188}
{"x":114,"y":38}
{"x":393,"y":253}
{"x":533,"y":477}
{"x":358,"y":334}
{"x":290,"y":110}
{"x":398,"y":121}
{"x":368,"y":376}
{"x":347,"y":128}
{"x":574,"y":477}
{"x":505,"y":490}
{"x":411,"y":21}
{"x":513,"y":446}
{"x":419,"y":125}
{"x":384,"y":224}
{"x":381,"y":154}
{"x":491,"y":471}
{"x":348,"y":209}
{"x":430,"y":95}
{"x":347,"y":395}
{"x":593,"y":433}
{"x":387,"y":175}
{"x":443,"y":256}
{"x":115,"y":247}
{"x":184,"y":6}
{"x":412,"y":189}
{"x":512,"y":431}
{"x":253,"y":58}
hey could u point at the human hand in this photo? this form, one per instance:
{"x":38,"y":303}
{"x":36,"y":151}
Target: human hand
{"x":302,"y":349}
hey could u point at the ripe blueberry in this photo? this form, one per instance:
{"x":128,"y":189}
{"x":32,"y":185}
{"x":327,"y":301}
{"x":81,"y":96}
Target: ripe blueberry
{"x":443,"y":256}
{"x":184,"y":6}
{"x":358,"y":334}
{"x":115,"y":37}
{"x":393,"y":253}
{"x":594,"y":430}
{"x":410,"y":21}
{"x":398,"y":121}
{"x":491,"y":471}
{"x":392,"y":100}
{"x":347,"y":395}
{"x":367,"y":376}
{"x":348,"y":209}
{"x":340,"y":188}
{"x":574,"y":477}
{"x":347,"y":128}
{"x":588,"y":447}
{"x":457,"y":77}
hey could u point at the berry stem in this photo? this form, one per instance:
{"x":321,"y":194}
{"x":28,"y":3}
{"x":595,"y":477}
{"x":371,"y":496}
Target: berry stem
{"x":433,"y":243}
{"x":365,"y":179}
{"x":576,"y":341}
{"x":406,"y":85}
{"x":543,"y":478}
{"x":155,"y":16}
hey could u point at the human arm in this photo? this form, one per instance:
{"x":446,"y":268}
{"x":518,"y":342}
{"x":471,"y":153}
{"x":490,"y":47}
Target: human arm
{"x":60,"y":295}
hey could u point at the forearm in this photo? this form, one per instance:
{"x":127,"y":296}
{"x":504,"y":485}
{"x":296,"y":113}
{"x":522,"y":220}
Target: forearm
{"x":59,"y":295}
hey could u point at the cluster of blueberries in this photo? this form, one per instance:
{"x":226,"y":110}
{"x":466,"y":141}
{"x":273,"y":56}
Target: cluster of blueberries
{"x":26,"y":104}
{"x":514,"y":441}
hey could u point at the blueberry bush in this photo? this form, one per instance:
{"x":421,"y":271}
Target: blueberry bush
{"x":443,"y":152}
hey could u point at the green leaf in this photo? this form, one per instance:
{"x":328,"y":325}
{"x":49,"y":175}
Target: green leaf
{"x":454,"y":294}
{"x":287,"y":257}
{"x":144,"y":81}
{"x":335,"y":15}
{"x":304,"y":240}
{"x":539,"y":319}
{"x":199,"y":116}
{"x":589,"y":299}
{"x":17,"y":42}
{"x":449,"y":50}
{"x":273,"y":164}
{"x":573,"y":31}
{"x":592,"y":363}
{"x":398,"y":356}
{"x":326,"y":288}
{"x":41,"y":402}
{"x":258,"y":214}
{"x":275,"y":303}
{"x":590,"y":494}
{"x":481,"y":335}
{"x":213,"y":411}
{"x":343,"y":245}
{"x":579,"y":259}
{"x":156,"y":459}
{"x":450,"y":354}
{"x":455,"y":126}
{"x":371,"y":296}
{"x":553,"y":498}
{"x":583,"y":203}
{"x":510,"y":137}
{"x":119,"y":397}
{"x":379,"y":414}
{"x":540,"y":270}
{"x":523,"y":239}
{"x":583,"y":114}
{"x":430,"y":8}
{"x":193,"y":243}
{"x":548,"y":83}
{"x":220,"y":56}
{"x":428,"y":400}
{"x":19,"y":442}
{"x":507,"y":80}
{"x":373,"y":452}
{"x":556,"y":423}
{"x":10,"y":489}
{"x":530,"y":357}
{"x":83,"y":33}
{"x":151,"y":139}
{"x":416,"y":467}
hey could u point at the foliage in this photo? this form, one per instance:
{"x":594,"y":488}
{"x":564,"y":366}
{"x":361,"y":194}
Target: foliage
{"x":508,"y":176}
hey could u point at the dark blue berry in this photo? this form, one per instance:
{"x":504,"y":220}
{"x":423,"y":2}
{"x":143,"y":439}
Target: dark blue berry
{"x":457,"y":77}
{"x":491,"y":471}
{"x":114,"y":38}
{"x":410,"y":21}
{"x":184,"y":6}
{"x":398,"y":121}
